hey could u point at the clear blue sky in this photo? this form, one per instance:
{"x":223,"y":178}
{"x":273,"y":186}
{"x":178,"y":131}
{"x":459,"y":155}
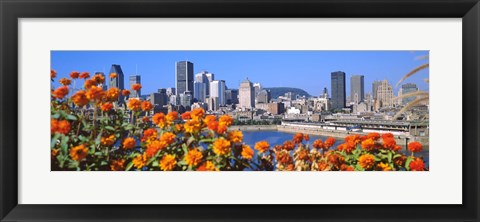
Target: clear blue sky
{"x":308,"y":70}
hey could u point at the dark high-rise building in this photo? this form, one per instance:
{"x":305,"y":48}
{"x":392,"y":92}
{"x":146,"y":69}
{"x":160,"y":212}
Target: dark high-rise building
{"x":159,"y":98}
{"x":375,"y":86}
{"x":357,"y":87}
{"x":338,"y":90}
{"x":184,"y":77}
{"x":117,"y":82}
{"x":103,"y":85}
{"x":135,"y":79}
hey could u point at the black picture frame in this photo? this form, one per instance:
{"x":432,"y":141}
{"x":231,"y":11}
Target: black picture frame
{"x":12,"y":10}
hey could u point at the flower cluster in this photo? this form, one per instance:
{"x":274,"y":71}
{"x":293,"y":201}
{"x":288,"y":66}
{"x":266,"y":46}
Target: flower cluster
{"x":97,"y":129}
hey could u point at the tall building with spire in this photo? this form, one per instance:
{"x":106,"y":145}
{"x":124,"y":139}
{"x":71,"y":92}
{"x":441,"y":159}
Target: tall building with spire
{"x":184,"y":77}
{"x":246,"y":94}
{"x":338,"y":90}
{"x":118,"y":81}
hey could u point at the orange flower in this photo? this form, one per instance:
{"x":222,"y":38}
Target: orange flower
{"x":140,"y":160}
{"x":247,"y":152}
{"x":353,"y":139}
{"x":149,"y":135}
{"x":95,"y":93}
{"x":368,"y":144}
{"x":207,"y":166}
{"x":284,"y":158}
{"x":106,"y":107}
{"x":74,"y":75}
{"x":389,"y":143}
{"x":298,"y":138}
{"x":186,"y":115}
{"x":62,"y":126}
{"x":288,"y":145}
{"x":383,"y":167}
{"x":168,"y":162}
{"x":192,"y":126}
{"x":136,"y":87}
{"x":154,"y":146}
{"x":349,"y":147}
{"x":113,"y":75}
{"x":89,"y":83}
{"x":108,"y":141}
{"x":159,"y":120}
{"x":262,"y":146}
{"x":171,"y":117}
{"x":84,"y":75}
{"x":197,"y":113}
{"x":302,"y":154}
{"x":145,"y":119}
{"x":125,"y":92}
{"x":134,"y":104}
{"x":221,"y":129}
{"x":336,"y":160}
{"x":387,"y":135}
{"x":345,"y":167}
{"x":78,"y":153}
{"x":235,"y":136}
{"x":168,"y":138}
{"x":80,"y":98}
{"x":318,"y":144}
{"x":209,"y":118}
{"x":417,"y":165}
{"x":193,"y":157}
{"x":366,"y":161}
{"x":221,"y":146}
{"x":117,"y":165}
{"x":373,"y":136}
{"x":225,"y":120}
{"x":415,"y":147}
{"x":53,"y":73}
{"x":213,"y":125}
{"x":146,"y":106}
{"x":60,"y":92}
{"x":65,"y":81}
{"x":178,"y":127}
{"x":329,"y":142}
{"x":113,"y":94}
{"x":129,"y":143}
{"x":54,"y":153}
{"x":399,"y":161}
{"x":306,"y":137}
{"x":99,"y":78}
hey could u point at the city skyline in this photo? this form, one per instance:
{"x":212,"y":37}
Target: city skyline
{"x":150,"y":71}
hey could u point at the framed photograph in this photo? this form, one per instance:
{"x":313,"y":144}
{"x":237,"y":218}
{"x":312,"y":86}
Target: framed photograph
{"x":225,"y":110}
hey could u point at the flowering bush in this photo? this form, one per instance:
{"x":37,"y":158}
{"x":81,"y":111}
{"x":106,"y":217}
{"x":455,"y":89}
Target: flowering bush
{"x":94,"y":129}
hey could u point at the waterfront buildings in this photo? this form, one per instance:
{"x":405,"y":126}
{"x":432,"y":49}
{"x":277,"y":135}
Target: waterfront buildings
{"x":200,"y":91}
{"x":338,"y":90}
{"x":184,"y":77}
{"x":204,"y":77}
{"x":117,"y":82}
{"x":357,"y":88}
{"x":134,"y":79}
{"x":159,"y":98}
{"x":258,"y":87}
{"x":231,"y":96}
{"x":263,"y":96}
{"x":246,"y":94}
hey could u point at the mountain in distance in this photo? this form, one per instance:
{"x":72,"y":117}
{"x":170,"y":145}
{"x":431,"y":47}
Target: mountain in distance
{"x":275,"y":92}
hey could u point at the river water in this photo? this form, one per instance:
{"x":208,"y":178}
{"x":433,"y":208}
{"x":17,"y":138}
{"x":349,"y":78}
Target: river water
{"x":277,"y":138}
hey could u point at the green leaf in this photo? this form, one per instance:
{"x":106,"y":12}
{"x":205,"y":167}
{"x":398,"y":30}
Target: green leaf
{"x":53,"y":142}
{"x":103,"y":163}
{"x":407,"y":163}
{"x":129,"y":166}
{"x":71,"y":117}
{"x":64,"y":145}
{"x":55,"y":116}
{"x":390,"y":154}
{"x":190,"y":140}
{"x":110,"y":128}
{"x":98,"y":139}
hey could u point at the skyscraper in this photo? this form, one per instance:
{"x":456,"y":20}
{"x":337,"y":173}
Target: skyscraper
{"x":385,"y":94}
{"x":408,"y":88}
{"x":357,"y":93}
{"x":135,"y":79}
{"x":258,"y":87}
{"x":375,"y":86}
{"x":246,"y":94}
{"x":205,"y":77}
{"x":118,"y":81}
{"x":160,"y":98}
{"x":200,"y":91}
{"x":217,"y":90}
{"x":184,"y":77}
{"x":263,"y":96}
{"x":338,"y":90}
